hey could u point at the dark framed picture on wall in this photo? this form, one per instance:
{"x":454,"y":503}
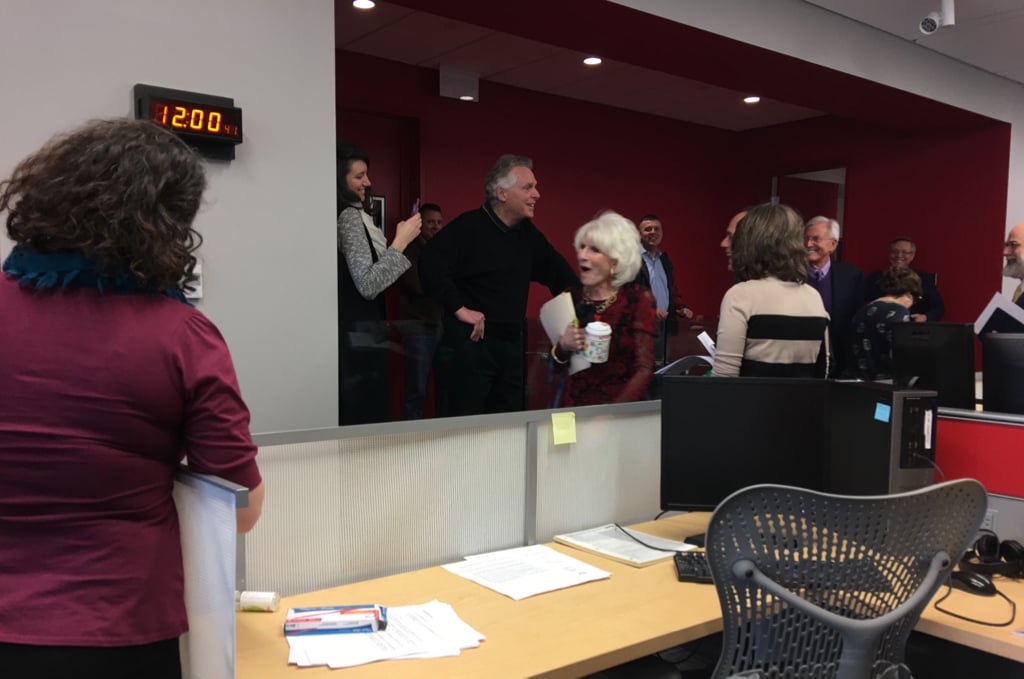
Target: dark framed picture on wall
{"x":378,"y":211}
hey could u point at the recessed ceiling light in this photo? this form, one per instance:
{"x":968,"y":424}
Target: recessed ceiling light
{"x":592,"y":61}
{"x":751,"y":100}
{"x":363,"y":4}
{"x":467,"y":97}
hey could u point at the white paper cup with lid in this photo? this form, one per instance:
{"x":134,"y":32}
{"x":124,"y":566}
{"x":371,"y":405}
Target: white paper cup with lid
{"x":597,"y":342}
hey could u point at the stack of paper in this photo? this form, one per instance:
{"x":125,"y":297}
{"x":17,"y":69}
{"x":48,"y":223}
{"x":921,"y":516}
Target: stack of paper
{"x":613,"y":542}
{"x":524,"y":571}
{"x":1000,"y":315}
{"x":556,"y":315}
{"x":429,"y":631}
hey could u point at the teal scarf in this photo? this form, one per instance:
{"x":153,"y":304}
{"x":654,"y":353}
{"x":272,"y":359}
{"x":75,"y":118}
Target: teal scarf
{"x":70,"y":270}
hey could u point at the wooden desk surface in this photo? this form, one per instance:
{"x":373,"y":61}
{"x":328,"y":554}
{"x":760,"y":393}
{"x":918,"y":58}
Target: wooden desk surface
{"x":567,"y":633}
{"x":997,"y":640}
{"x":580,"y":630}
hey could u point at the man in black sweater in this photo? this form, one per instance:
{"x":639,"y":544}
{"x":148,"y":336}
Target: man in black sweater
{"x":479,"y":268}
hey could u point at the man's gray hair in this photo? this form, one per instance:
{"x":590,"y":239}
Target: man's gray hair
{"x":833,"y":225}
{"x":500,"y":175}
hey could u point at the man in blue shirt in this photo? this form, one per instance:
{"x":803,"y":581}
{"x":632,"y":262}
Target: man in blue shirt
{"x":658,"y":274}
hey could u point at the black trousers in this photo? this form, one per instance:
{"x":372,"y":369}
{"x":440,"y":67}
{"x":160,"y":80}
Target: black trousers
{"x":159,"y":660}
{"x":365,"y":377}
{"x":484,"y":376}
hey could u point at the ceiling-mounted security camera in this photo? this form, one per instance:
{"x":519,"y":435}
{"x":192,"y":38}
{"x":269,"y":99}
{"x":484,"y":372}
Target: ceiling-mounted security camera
{"x":946,"y":16}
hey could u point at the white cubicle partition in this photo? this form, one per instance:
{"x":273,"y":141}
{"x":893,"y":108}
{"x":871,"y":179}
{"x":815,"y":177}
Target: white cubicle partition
{"x":611,"y":474}
{"x":348,"y":509}
{"x":349,"y":504}
{"x":206,"y":513}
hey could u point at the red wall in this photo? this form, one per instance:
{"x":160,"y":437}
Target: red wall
{"x":587,"y":158}
{"x":947,"y":191}
{"x":991,"y":453}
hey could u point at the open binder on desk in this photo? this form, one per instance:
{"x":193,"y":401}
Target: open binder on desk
{"x":612,"y":542}
{"x":1000,"y":315}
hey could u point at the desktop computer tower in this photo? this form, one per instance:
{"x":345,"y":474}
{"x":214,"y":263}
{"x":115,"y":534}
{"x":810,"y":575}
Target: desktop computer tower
{"x":881,"y":438}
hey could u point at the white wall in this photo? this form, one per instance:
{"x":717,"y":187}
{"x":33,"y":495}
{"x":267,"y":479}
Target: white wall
{"x":269,"y":251}
{"x":269,"y":261}
{"x":808,"y":32}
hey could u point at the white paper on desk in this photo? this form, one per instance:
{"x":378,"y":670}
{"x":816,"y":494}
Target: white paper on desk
{"x":522,"y":572}
{"x":1000,"y":315}
{"x":611,"y":541}
{"x":556,"y":315}
{"x":432,"y":630}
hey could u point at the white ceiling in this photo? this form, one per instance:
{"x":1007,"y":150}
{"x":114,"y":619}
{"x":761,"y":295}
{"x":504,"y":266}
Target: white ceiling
{"x":421,"y":39}
{"x":987,"y":33}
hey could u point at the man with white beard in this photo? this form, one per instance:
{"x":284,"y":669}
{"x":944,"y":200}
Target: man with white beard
{"x":1012,"y":251}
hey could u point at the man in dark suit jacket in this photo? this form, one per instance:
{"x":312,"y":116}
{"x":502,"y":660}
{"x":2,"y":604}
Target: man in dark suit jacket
{"x":1013,"y":250}
{"x":841,"y":287}
{"x":930,"y":306}
{"x":658,"y":274}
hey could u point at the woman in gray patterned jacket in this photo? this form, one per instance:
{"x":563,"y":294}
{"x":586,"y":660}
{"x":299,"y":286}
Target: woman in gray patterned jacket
{"x":367,"y":265}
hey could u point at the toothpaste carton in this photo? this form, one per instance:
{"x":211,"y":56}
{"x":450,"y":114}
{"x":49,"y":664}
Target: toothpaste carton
{"x":336,"y":619}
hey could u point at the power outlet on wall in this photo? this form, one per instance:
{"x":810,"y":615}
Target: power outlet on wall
{"x":989,"y":522}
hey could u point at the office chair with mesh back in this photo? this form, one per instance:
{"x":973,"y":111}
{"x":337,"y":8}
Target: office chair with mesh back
{"x":816,"y":585}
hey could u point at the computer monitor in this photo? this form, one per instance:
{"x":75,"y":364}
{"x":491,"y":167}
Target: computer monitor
{"x":937,"y":356}
{"x":721,"y":434}
{"x":1002,"y":372}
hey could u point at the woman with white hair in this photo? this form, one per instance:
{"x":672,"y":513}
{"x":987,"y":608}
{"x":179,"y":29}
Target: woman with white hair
{"x":608,"y":255}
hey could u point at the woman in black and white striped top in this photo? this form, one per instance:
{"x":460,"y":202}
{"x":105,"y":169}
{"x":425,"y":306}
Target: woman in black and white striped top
{"x":771,"y":323}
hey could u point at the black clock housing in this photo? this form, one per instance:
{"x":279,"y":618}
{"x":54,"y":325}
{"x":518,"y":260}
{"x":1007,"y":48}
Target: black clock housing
{"x":210,"y":123}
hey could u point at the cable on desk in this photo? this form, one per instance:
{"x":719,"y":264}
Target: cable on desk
{"x":636,"y":539}
{"x":949,"y":589}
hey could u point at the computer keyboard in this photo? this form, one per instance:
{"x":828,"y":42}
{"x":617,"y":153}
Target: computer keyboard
{"x":692,"y":566}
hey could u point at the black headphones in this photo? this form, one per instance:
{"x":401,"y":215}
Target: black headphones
{"x":989,"y":556}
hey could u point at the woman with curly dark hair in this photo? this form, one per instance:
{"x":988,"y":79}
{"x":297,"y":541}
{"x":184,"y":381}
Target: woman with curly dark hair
{"x":771,"y":324}
{"x":109,"y":380}
{"x":900,"y":288}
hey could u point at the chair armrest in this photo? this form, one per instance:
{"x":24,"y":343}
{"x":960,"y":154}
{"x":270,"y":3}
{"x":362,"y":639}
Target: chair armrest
{"x":747,"y":569}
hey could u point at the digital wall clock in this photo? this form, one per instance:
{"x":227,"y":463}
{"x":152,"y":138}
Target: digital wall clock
{"x":211,"y":124}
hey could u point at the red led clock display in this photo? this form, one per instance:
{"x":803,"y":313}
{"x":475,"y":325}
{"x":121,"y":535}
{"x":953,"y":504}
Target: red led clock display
{"x":223,"y":123}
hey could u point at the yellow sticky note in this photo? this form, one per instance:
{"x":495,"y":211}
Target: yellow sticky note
{"x":563,"y":426}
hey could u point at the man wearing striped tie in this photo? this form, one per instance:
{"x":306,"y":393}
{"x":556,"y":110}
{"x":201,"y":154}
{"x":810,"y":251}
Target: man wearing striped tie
{"x":1013,"y":252}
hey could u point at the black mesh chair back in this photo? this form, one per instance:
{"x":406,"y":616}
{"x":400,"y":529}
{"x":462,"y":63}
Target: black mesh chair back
{"x":818,"y":586}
